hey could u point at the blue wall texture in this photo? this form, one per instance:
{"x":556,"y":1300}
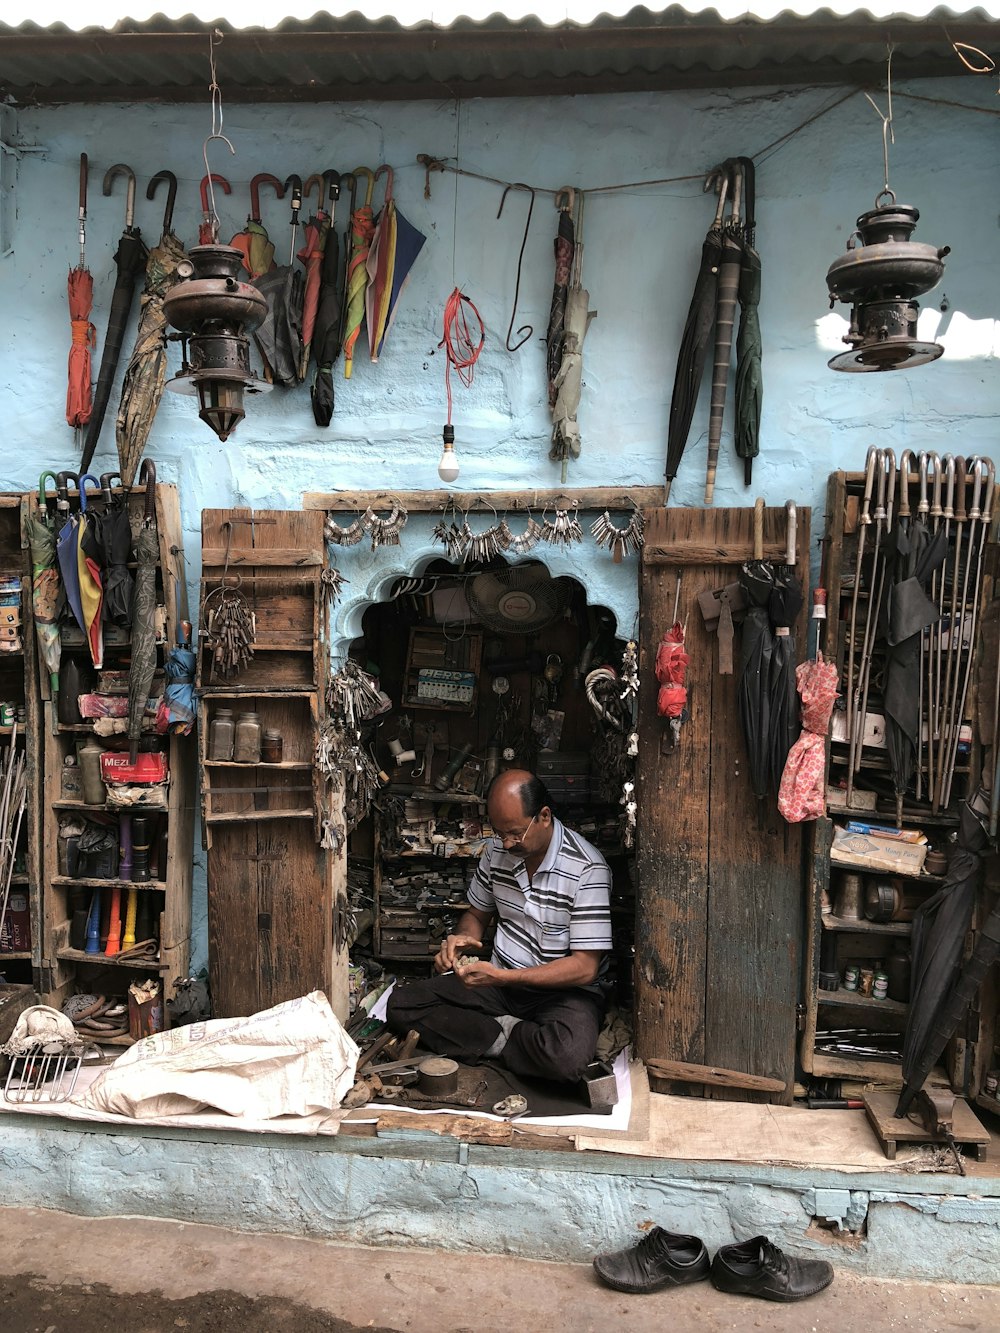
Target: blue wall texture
{"x":642,"y":247}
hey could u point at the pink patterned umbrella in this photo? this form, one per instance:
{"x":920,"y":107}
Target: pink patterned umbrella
{"x":801,"y":795}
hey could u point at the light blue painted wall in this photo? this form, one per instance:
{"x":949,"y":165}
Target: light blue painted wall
{"x":642,"y":249}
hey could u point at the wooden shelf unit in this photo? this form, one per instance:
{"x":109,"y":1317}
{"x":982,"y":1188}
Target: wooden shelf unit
{"x":64,"y":970}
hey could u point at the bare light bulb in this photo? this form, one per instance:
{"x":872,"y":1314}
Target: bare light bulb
{"x":448,"y":466}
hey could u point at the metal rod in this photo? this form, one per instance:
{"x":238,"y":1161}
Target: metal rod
{"x":953,"y":639}
{"x":864,"y":522}
{"x":883,"y":522}
{"x":922,"y":510}
{"x":948,"y":464}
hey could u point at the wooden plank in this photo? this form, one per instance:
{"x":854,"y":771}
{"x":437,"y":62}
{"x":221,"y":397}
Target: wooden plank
{"x":723,"y":1078}
{"x":734,"y":551}
{"x":620,"y":498}
{"x":289,"y":556}
{"x":234,"y":977}
{"x":294,"y":941}
{"x":257,"y":816}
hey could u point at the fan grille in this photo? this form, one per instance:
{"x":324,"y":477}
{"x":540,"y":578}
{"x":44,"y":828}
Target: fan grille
{"x":518,"y":600}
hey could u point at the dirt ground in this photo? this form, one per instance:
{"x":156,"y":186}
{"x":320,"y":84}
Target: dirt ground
{"x":160,"y":1277}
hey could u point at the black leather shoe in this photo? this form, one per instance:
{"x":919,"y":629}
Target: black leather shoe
{"x":758,"y":1268}
{"x":661,"y":1259}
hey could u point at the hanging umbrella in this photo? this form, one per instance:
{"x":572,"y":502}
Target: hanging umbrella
{"x":79,"y":397}
{"x":146,"y":373}
{"x":756,"y":656}
{"x":393,"y":252}
{"x":564,"y":245}
{"x":784,"y":605}
{"x":140,"y":676}
{"x":940,"y":926}
{"x":178,"y":703}
{"x":695,"y":338}
{"x":279,"y":337}
{"x":326,"y":334}
{"x":914,"y":557}
{"x":46,"y":591}
{"x":253,"y":240}
{"x":114,"y":533}
{"x":79,"y":556}
{"x":749,"y":385}
{"x":208,"y":227}
{"x":130,"y":260}
{"x":311,"y":255}
{"x":569,"y":378}
{"x":725,"y":317}
{"x":362,"y":231}
{"x":802,"y":793}
{"x":671,"y":674}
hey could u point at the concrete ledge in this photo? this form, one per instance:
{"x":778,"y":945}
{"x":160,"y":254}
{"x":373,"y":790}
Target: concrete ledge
{"x":423,"y":1190}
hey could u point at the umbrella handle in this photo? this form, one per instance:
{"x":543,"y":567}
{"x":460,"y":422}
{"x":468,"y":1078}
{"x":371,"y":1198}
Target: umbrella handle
{"x":62,"y":488}
{"x":212,"y":178}
{"x":922,"y":463}
{"x":168,"y":212}
{"x":991,"y":474}
{"x":106,"y":480}
{"x":42,"y":480}
{"x":566,"y":199}
{"x":256,"y":182}
{"x":369,"y":189}
{"x":718,"y":180}
{"x":758,"y":528}
{"x":147,"y":478}
{"x":121,"y":169}
{"x":791,"y":528}
{"x":870,"y":464}
{"x":903,"y":481}
{"x":87,"y":476}
{"x":84,"y":176}
{"x":949,"y":486}
{"x":331,"y":183}
{"x":961,"y":471}
{"x":386,"y":171}
{"x":307,"y":189}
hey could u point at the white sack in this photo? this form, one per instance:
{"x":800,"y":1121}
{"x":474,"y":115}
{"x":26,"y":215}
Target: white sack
{"x":294,"y":1059}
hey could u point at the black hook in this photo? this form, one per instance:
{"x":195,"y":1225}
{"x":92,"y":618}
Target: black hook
{"x":526,"y":330}
{"x":171,"y":179}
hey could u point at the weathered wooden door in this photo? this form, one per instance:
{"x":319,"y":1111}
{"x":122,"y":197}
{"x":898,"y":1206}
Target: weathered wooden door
{"x":720,"y":894}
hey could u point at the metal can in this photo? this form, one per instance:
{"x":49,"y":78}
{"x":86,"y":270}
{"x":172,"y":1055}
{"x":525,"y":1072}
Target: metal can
{"x":8,"y":712}
{"x":991,"y":1083}
{"x":880,"y":985}
{"x":866,"y":980}
{"x":851,"y":975}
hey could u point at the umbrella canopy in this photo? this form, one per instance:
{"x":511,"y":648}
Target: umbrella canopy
{"x":802,"y":794}
{"x":564,"y":247}
{"x":311,"y":255}
{"x":114,"y":535}
{"x":906,"y":612}
{"x":784,"y":605}
{"x":140,"y":676}
{"x":79,"y":556}
{"x":695,"y":339}
{"x":749,"y":384}
{"x":394,"y":250}
{"x":130,"y":261}
{"x":569,"y":378}
{"x":178,"y":696}
{"x":146,"y":373}
{"x":279,"y":337}
{"x":940,"y":926}
{"x":46,"y":591}
{"x":730,"y":262}
{"x":756,"y":658}
{"x":326,"y":334}
{"x":253,"y":241}
{"x":79,"y":397}
{"x":671,"y":673}
{"x":362,"y":232}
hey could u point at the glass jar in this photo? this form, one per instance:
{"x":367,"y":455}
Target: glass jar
{"x":272,"y":748}
{"x":221,"y":735}
{"x":249,"y":735}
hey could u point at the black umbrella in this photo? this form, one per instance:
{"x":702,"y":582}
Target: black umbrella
{"x":906,"y":612}
{"x":564,"y":246}
{"x":784,"y":605}
{"x":326,"y":334}
{"x":114,"y":533}
{"x":756,"y":661}
{"x":130,"y":262}
{"x":730,"y":261}
{"x":749,"y":385}
{"x":143,"y":666}
{"x":939,"y":989}
{"x":695,"y":338}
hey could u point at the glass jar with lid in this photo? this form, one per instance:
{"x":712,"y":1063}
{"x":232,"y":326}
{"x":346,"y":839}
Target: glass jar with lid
{"x":221,"y":736}
{"x":249,"y":734}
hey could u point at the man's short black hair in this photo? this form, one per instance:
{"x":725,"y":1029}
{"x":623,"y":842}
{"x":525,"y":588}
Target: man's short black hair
{"x":533,"y":794}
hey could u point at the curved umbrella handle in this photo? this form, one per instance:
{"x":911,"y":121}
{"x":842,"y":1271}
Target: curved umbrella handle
{"x":171,"y":179}
{"x":316,"y":180}
{"x":331,"y":184}
{"x":87,"y":476}
{"x":936,"y":493}
{"x":890,"y":486}
{"x":975,"y":512}
{"x":147,"y":478}
{"x":42,"y":487}
{"x":717,"y":179}
{"x":62,"y":488}
{"x":215,"y":179}
{"x":791,"y":529}
{"x":948,"y":462}
{"x":121,"y":169}
{"x":106,"y":480}
{"x":903,"y":482}
{"x":386,"y":171}
{"x":264,"y":178}
{"x":369,"y":189}
{"x":871,"y":462}
{"x":922,"y":465}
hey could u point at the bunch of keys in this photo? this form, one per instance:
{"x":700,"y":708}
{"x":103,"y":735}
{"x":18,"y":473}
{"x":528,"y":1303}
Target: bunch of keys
{"x":619,"y":541}
{"x":631,"y":810}
{"x":563,"y":530}
{"x":232,"y":628}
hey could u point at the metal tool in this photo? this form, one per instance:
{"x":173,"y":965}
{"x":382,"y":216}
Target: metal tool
{"x":883,"y":523}
{"x":923,"y":508}
{"x":954,"y":640}
{"x":948,"y":512}
{"x":864,"y":522}
{"x":48,"y":1074}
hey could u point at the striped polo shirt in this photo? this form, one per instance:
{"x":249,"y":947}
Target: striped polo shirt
{"x":565,"y":907}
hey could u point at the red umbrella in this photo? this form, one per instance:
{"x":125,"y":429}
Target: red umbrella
{"x":671,"y":671}
{"x":208,"y":228}
{"x":79,"y":397}
{"x":801,"y":795}
{"x":311,"y":255}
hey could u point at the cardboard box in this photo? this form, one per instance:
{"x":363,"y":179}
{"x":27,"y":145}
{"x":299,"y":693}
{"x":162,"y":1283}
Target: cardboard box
{"x":865,"y":851}
{"x":16,"y":934}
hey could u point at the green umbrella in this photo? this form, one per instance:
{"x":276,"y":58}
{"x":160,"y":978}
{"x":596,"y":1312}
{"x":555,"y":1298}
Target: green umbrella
{"x":147,"y":554}
{"x":749,"y":385}
{"x":46,"y":589}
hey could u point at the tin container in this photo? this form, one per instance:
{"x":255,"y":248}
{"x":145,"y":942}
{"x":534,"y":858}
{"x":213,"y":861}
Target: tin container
{"x":866,"y":981}
{"x":880,"y":986}
{"x":851,"y":977}
{"x":991,"y":1083}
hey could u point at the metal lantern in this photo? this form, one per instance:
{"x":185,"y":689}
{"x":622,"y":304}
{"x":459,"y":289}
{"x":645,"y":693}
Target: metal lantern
{"x":214,"y":311}
{"x":880,"y":276}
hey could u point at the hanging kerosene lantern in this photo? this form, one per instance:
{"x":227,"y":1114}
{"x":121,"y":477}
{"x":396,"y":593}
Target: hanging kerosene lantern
{"x":880,"y":276}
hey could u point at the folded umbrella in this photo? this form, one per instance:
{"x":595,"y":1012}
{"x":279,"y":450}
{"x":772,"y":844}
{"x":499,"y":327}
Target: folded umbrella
{"x":46,"y":590}
{"x":253,"y":241}
{"x":749,"y":383}
{"x":311,"y":255}
{"x":784,"y":605}
{"x":79,"y":395}
{"x":569,"y":378}
{"x":143,"y":666}
{"x":756,"y":658}
{"x":279,"y":337}
{"x":730,"y":262}
{"x":79,"y":556}
{"x":326,"y":334}
{"x":362,"y":231}
{"x":394,"y":249}
{"x":114,"y":534}
{"x":563,"y":246}
{"x":130,"y":261}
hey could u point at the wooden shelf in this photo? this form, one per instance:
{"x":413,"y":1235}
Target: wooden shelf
{"x":291,"y":765}
{"x":109,"y":960}
{"x":427,"y":907}
{"x":848,"y":999}
{"x":987,"y":1103}
{"x":211,"y":693}
{"x":828,"y":1065}
{"x":866,"y":927}
{"x":14,"y":957}
{"x":837,"y":864}
{"x":68,"y":882}
{"x":252,"y":816}
{"x":429,"y":856}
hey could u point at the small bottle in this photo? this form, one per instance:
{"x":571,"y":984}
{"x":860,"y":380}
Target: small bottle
{"x":272,"y":748}
{"x":246,"y":749}
{"x":94,"y":790}
{"x":220,"y":736}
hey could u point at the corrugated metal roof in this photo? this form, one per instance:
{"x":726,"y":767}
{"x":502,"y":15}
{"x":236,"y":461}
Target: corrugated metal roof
{"x":283,"y":53}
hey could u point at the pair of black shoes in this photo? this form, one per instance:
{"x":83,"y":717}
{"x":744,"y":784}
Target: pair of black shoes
{"x":754,"y":1268}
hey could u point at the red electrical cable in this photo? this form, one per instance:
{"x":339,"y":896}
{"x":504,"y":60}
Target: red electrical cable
{"x":460,"y":349}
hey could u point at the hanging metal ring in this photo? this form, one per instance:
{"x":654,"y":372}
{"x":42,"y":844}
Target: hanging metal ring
{"x":526,"y":330}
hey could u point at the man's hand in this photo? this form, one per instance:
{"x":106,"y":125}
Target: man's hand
{"x":451,"y":949}
{"x":482,"y":974}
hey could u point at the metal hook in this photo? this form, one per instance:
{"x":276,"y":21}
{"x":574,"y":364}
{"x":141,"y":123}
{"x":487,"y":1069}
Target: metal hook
{"x":526,"y":330}
{"x":568,"y":194}
{"x":209,"y":177}
{"x":429,"y":164}
{"x":171,"y":179}
{"x":120,"y":169}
